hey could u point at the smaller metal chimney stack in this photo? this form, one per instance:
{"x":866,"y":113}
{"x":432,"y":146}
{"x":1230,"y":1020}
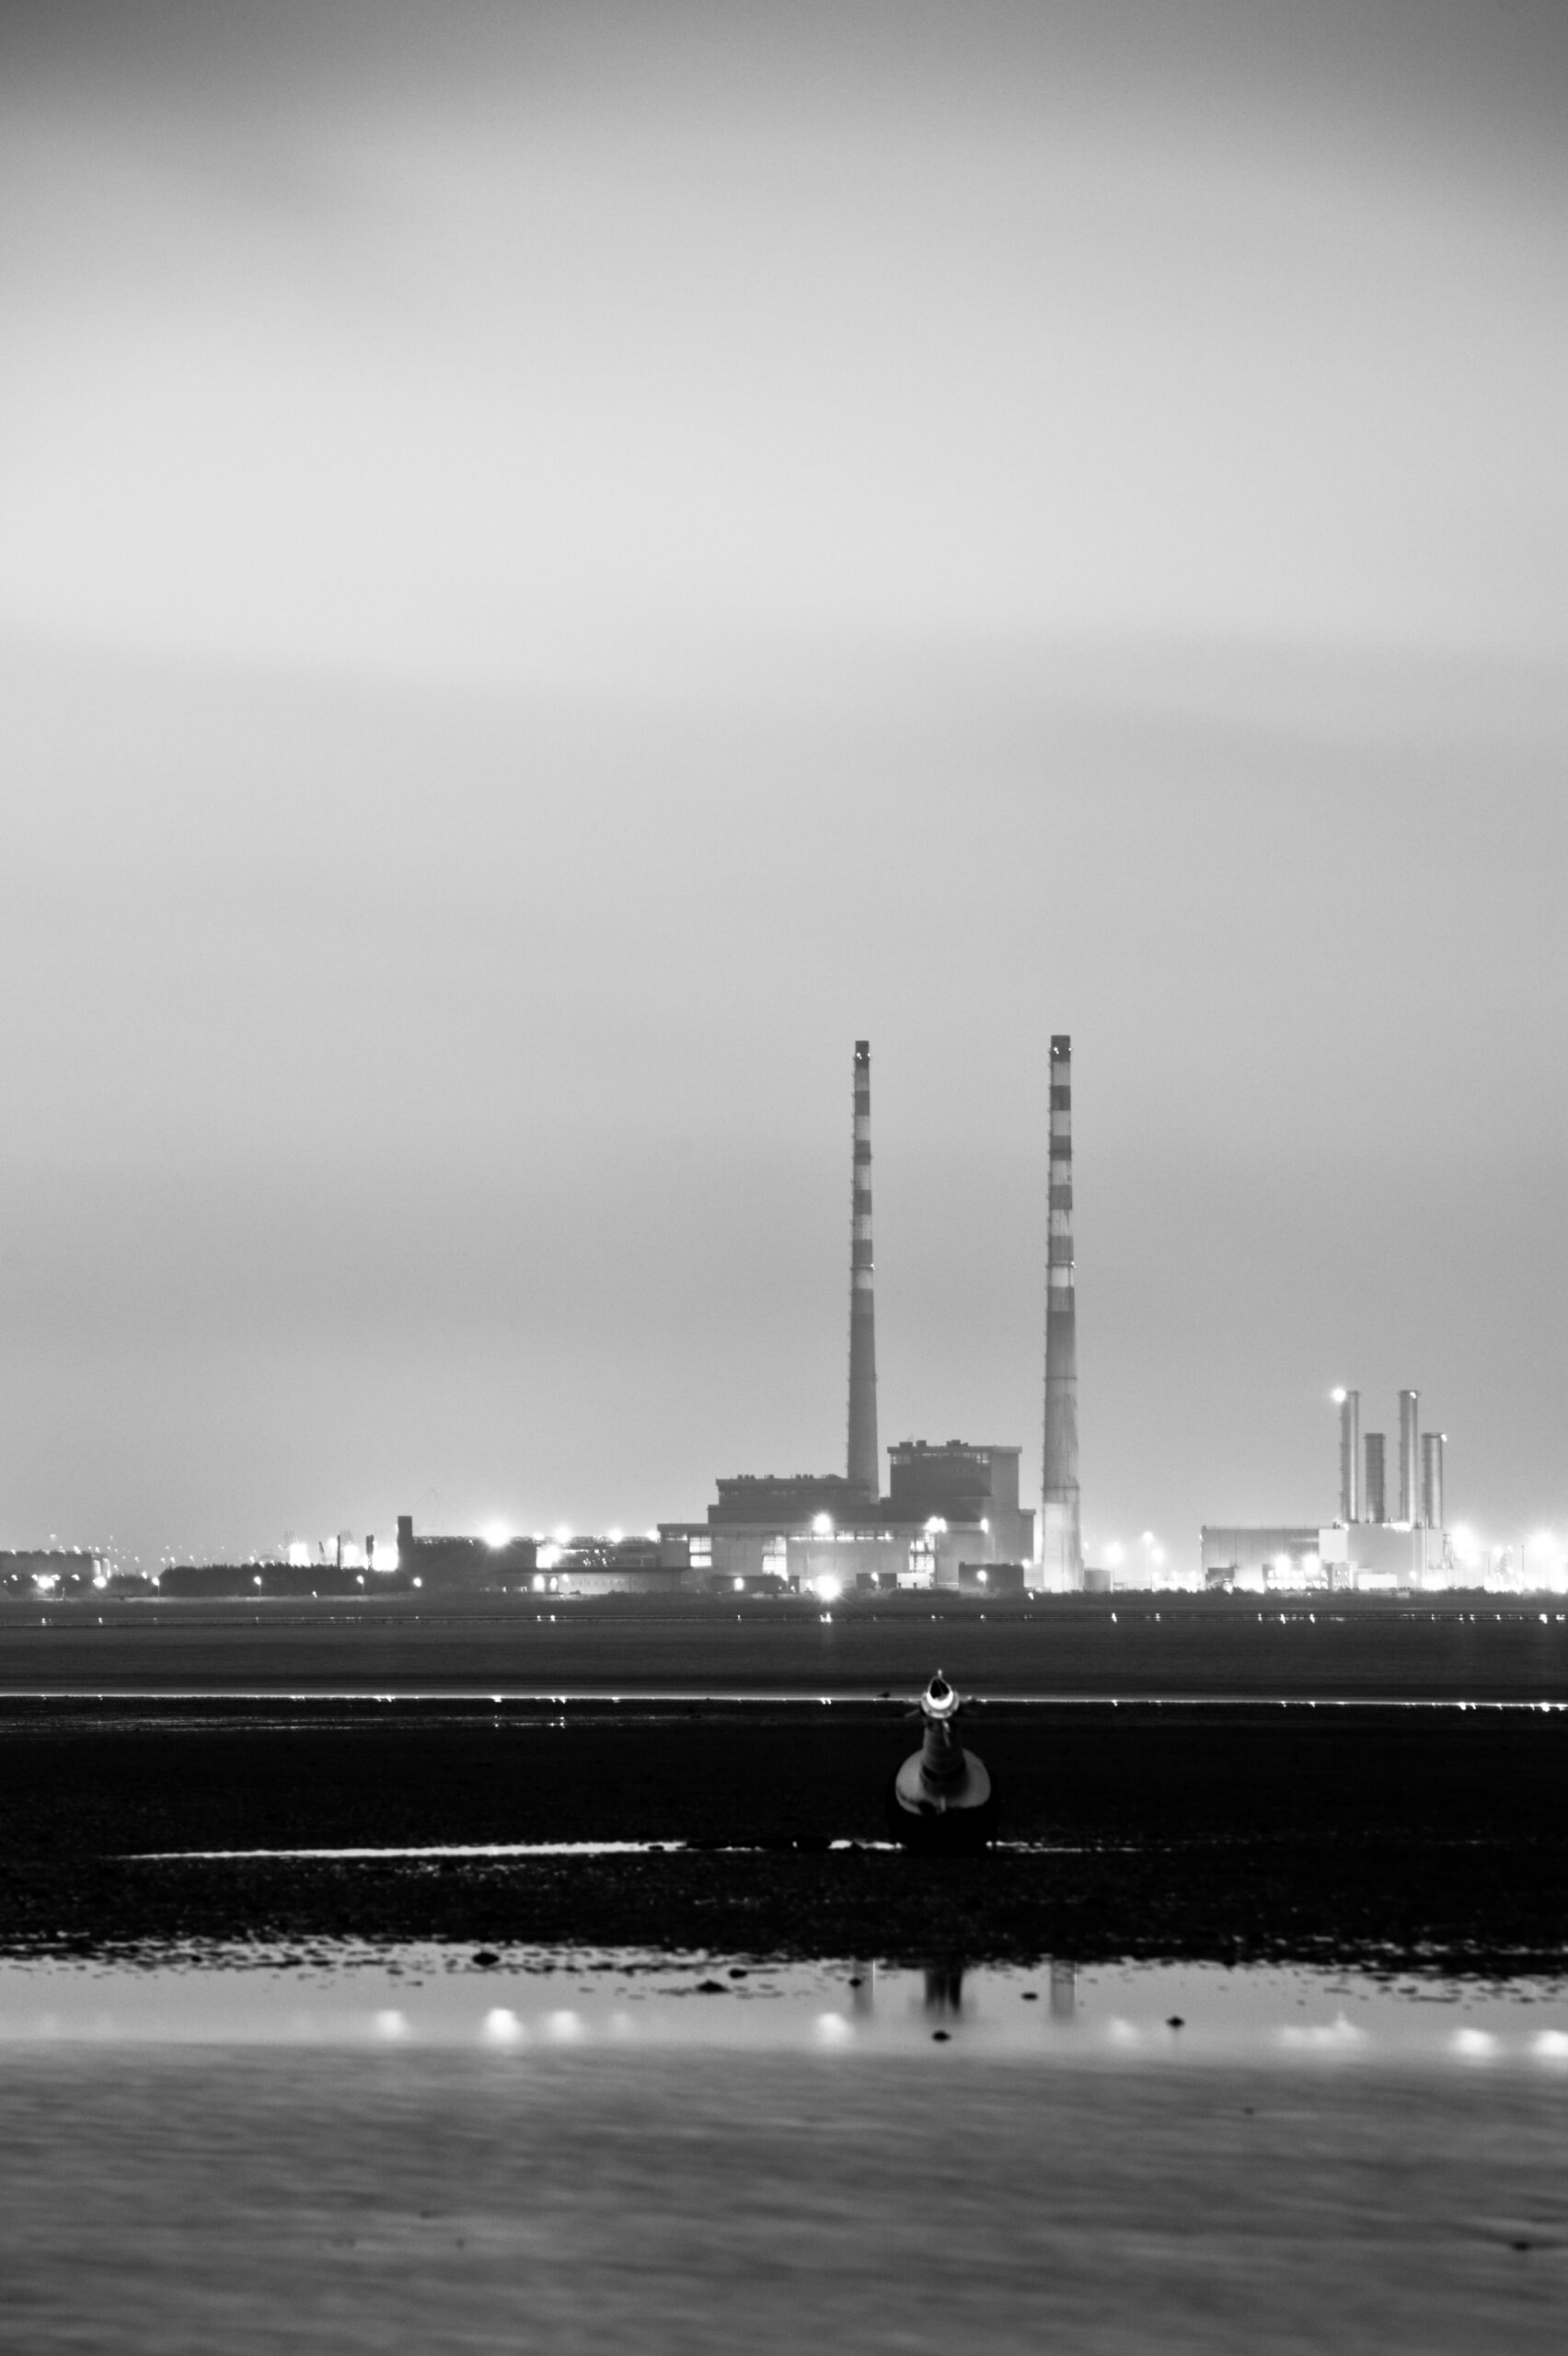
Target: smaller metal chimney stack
{"x":1409,"y":1455}
{"x":1376,"y":1495}
{"x":1432,"y":1479}
{"x":1349,"y":1405}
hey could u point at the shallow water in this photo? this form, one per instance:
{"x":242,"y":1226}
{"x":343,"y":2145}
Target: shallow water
{"x":1140,"y":2015}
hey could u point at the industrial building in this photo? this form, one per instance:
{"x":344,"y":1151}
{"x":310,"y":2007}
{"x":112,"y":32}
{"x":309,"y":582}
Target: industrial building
{"x":464,"y":1562}
{"x":1363,"y":1547}
{"x":51,"y":1570}
{"x":567,"y":1566}
{"x":612,"y":1565}
{"x":946,"y":1507}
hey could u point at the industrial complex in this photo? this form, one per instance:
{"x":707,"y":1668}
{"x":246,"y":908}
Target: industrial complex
{"x":1366,"y":1546}
{"x":949,"y":1517}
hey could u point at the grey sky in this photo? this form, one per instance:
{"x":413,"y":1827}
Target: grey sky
{"x":555,"y":565}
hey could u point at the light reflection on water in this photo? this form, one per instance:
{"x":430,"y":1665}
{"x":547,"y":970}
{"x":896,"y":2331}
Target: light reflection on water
{"x":577,"y":1696}
{"x":1145,"y":2015}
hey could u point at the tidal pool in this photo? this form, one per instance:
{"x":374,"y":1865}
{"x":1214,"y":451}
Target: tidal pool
{"x":515,"y":1999}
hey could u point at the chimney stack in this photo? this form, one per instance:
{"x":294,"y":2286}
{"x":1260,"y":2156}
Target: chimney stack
{"x":1409,"y":1455}
{"x":1350,"y":1454}
{"x":864,"y":1468}
{"x":1061,"y":1545}
{"x":1377,"y":1494}
{"x":1432,"y":1479}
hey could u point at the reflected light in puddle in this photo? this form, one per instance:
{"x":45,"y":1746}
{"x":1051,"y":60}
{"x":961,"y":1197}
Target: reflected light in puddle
{"x":1124,"y":2019}
{"x":1338,"y":2036}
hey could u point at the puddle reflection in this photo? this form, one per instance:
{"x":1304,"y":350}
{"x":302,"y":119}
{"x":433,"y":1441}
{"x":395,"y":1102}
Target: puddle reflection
{"x":944,"y":1991}
{"x":529,"y":2001}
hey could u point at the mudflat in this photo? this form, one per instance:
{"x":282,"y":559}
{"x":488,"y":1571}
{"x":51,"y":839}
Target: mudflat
{"x":1378,"y":1836}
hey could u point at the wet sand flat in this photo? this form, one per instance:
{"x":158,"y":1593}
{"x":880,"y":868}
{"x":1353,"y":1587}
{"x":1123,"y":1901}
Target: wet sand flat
{"x":588,"y":2202}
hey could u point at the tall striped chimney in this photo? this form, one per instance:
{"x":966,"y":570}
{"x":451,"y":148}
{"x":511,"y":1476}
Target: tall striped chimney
{"x":864,"y":1468}
{"x":1061,"y":1545}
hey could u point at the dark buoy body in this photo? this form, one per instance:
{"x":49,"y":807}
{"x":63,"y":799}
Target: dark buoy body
{"x":942,"y":1801}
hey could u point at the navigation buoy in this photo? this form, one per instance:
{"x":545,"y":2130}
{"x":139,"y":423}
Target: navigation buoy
{"x":941,"y":1800}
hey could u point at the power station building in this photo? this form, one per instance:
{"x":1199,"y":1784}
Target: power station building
{"x":948,"y":1508}
{"x":51,"y":1570}
{"x":566,"y":1566}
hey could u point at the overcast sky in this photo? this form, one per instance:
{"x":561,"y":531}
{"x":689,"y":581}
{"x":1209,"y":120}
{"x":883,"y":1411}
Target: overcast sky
{"x":558,"y":564}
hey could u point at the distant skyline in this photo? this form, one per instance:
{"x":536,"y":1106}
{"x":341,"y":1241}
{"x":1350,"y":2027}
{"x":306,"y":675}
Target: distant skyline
{"x":559,"y":564}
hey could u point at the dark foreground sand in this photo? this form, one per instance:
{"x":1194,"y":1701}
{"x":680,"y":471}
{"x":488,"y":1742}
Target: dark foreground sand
{"x":1433,"y":1840}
